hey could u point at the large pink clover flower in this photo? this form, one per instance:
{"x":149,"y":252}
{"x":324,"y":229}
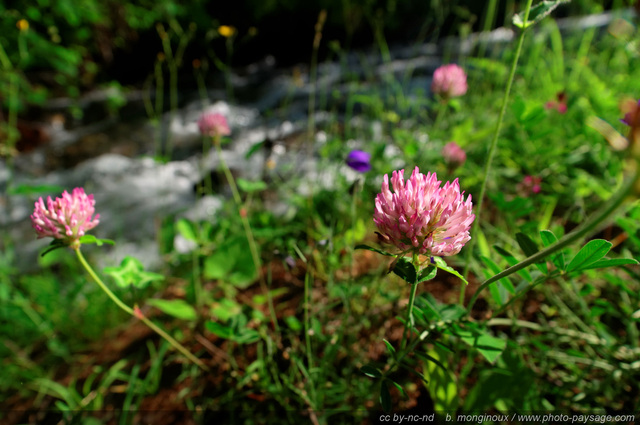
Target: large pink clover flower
{"x":422,"y":217}
{"x":66,"y":218}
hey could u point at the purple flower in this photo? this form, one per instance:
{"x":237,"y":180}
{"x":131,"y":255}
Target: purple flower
{"x":213,"y":124}
{"x":66,"y":218}
{"x":420,"y":216}
{"x":453,"y":155}
{"x":359,"y":161}
{"x":449,"y":81}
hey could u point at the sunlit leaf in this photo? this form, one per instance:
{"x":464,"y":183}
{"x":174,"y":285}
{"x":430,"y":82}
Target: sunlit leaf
{"x":392,"y":350}
{"x":177,"y":308}
{"x":219,"y":329}
{"x":370,"y":371}
{"x":610,"y":262}
{"x":442,"y":385}
{"x":187,"y":229}
{"x":131,"y":272}
{"x":251,"y":186}
{"x":590,"y":253}
{"x":90,"y":239}
{"x":537,"y":13}
{"x":399,"y":388}
{"x":442,"y":265}
{"x":427,"y":274}
{"x":225,"y":309}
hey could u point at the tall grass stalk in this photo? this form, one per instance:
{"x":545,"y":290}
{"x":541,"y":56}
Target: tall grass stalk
{"x":313,"y":77}
{"x":253,"y":247}
{"x":489,"y":20}
{"x":492,"y":147}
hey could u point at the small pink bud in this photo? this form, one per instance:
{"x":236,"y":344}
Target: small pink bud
{"x":449,"y":81}
{"x":213,"y":124}
{"x":530,"y":185}
{"x":453,"y":155}
{"x":560,"y":104}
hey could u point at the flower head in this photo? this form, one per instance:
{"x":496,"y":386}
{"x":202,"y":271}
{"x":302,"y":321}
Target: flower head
{"x":66,"y":218}
{"x":226,"y":30}
{"x":453,"y":155}
{"x":560,"y":104}
{"x":213,"y":124}
{"x":359,"y":161}
{"x":421,"y":216}
{"x":530,"y":185}
{"x":449,"y":81}
{"x":22,"y":25}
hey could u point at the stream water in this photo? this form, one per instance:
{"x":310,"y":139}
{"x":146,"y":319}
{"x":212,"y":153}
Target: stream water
{"x":112,"y":157}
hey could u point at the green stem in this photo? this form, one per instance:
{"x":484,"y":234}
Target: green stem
{"x":174,"y":343}
{"x":581,"y":231}
{"x":354,"y":200}
{"x":492,"y":148}
{"x":410,"y":349}
{"x":307,"y":317}
{"x":227,"y":173}
{"x":130,"y":311}
{"x":247,"y":228}
{"x":409,"y":323}
{"x":101,"y":284}
{"x":442,"y":107}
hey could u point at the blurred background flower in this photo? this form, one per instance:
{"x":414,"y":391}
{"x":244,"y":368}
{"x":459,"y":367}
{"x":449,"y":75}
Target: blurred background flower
{"x":449,"y":81}
{"x":359,"y":161}
{"x":453,"y":155}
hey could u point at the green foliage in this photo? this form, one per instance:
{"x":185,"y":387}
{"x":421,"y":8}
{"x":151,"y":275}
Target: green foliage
{"x":232,"y":262}
{"x":131,"y":273}
{"x":179,"y":309}
{"x":323,"y":333}
{"x":537,"y":13}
